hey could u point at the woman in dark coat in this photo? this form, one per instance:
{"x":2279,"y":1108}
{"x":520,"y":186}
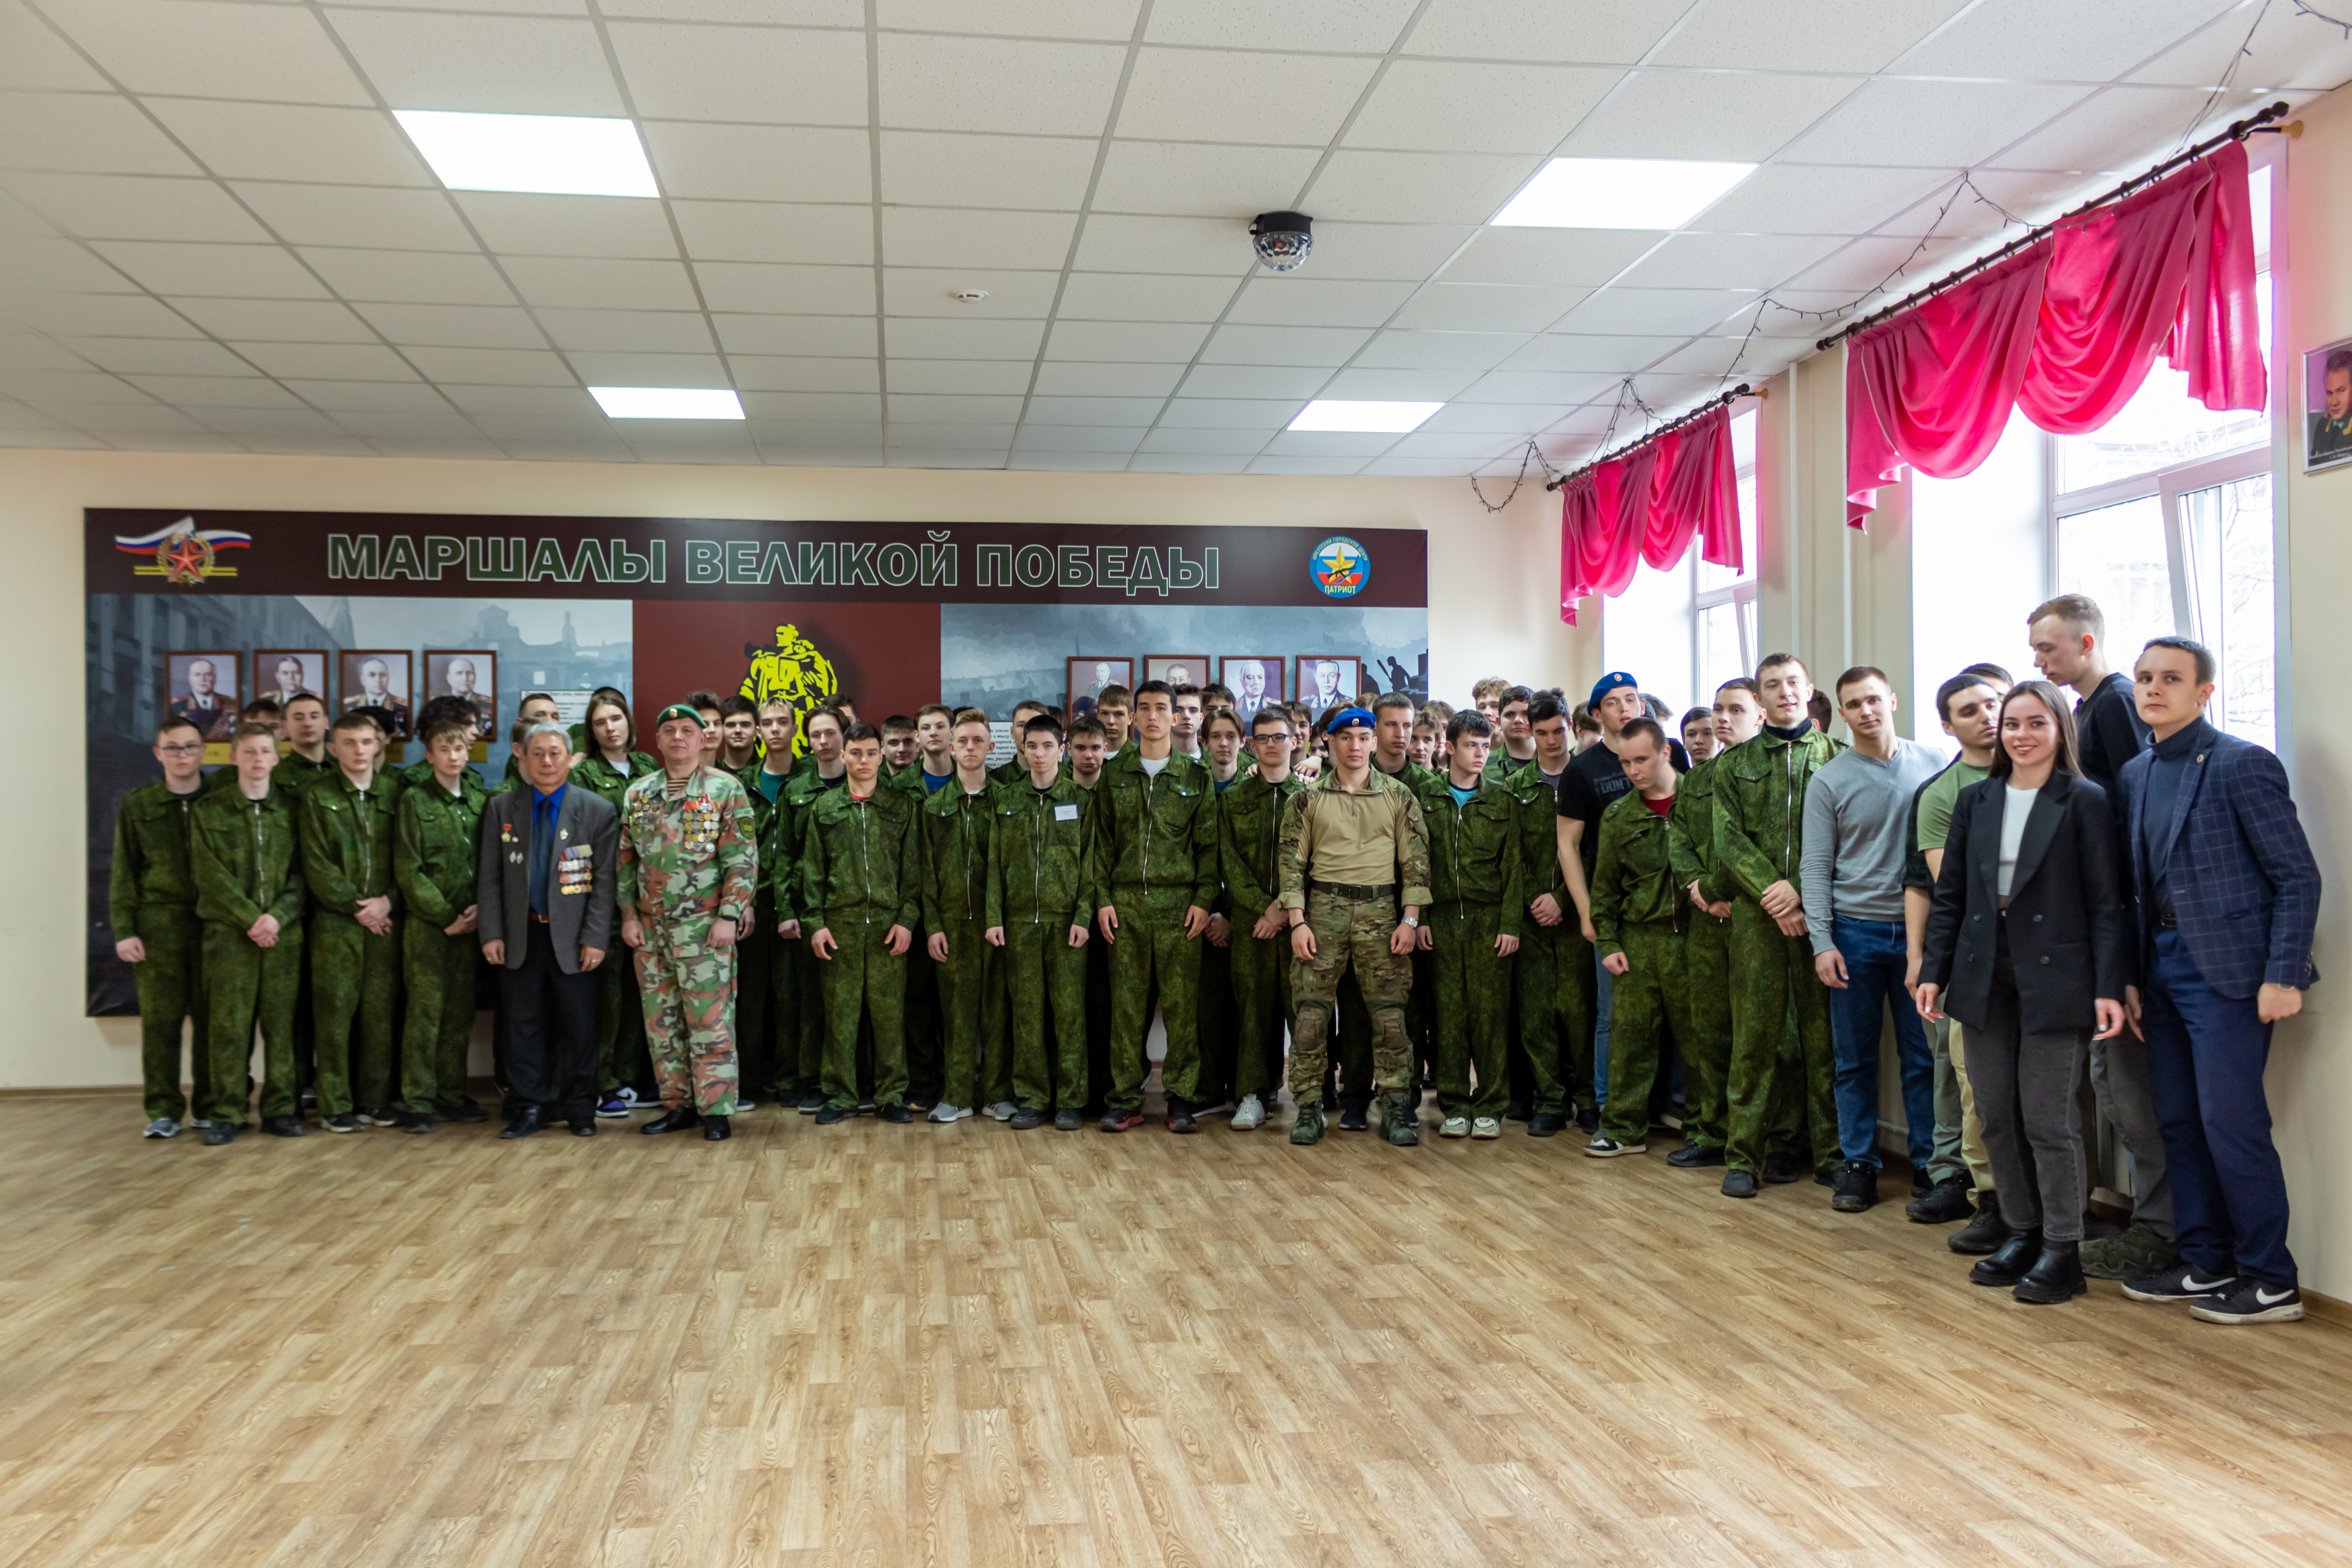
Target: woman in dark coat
{"x":2027,"y":944}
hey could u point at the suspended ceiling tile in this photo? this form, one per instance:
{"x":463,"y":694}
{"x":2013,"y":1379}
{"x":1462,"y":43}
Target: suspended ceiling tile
{"x":128,"y":206}
{"x":1126,"y":342}
{"x":1720,"y":116}
{"x":2095,"y":40}
{"x":930,"y":168}
{"x":503,"y":367}
{"x":1401,"y":252}
{"x":450,"y":326}
{"x":1000,"y":376}
{"x":1458,"y":107}
{"x":834,"y":408}
{"x":760,"y":163}
{"x":1121,"y":242}
{"x":790,"y":76}
{"x":364,"y":396}
{"x":1110,"y":20}
{"x":1291,"y":301}
{"x":798,"y":290}
{"x":1201,"y":95}
{"x":777,"y":231}
{"x":1399,"y":385}
{"x":1730,"y":260}
{"x":294,"y":142}
{"x":1173,"y":439}
{"x":1287,"y":383}
{"x":1235,"y":344}
{"x":1046,"y":89}
{"x":1104,"y":439}
{"x":1936,"y":124}
{"x":2111,"y":132}
{"x":599,"y":367}
{"x":1815,"y":198}
{"x":645,"y":332}
{"x":165,"y":356}
{"x":790,"y":335}
{"x":942,"y":408}
{"x":1141,"y":297}
{"x":236,"y":271}
{"x":1487,"y":307}
{"x":32,"y":57}
{"x":1065,"y":378}
{"x":1612,"y":31}
{"x":247,"y":391}
{"x":1406,"y":350}
{"x":495,"y":65}
{"x":84,"y":132}
{"x":341,"y":362}
{"x":1266,"y":415}
{"x":1630,"y":311}
{"x":1621,"y":355}
{"x":361,"y":217}
{"x":925,"y":291}
{"x":782,"y":373}
{"x":1360,"y":26}
{"x":942,"y":337}
{"x":1589,"y":257}
{"x":207,"y":50}
{"x":1200,"y":179}
{"x":415,"y":278}
{"x":1807,"y":34}
{"x":966,"y":237}
{"x":1138,"y":412}
{"x":514,"y":223}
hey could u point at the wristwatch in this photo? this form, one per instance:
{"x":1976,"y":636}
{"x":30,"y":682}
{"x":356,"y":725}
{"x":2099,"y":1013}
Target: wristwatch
{"x":1413,"y":920}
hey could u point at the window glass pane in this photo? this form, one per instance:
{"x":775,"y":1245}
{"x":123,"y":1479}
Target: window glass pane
{"x":1722,"y":653}
{"x":2229,"y":555}
{"x":1978,"y":544}
{"x":2115,"y":555}
{"x":1647,"y":630}
{"x":1743,"y":449}
{"x":2162,"y":426}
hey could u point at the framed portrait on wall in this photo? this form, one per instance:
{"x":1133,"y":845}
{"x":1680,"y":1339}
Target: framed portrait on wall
{"x":1255,"y":680}
{"x":2328,"y":406}
{"x":1328,"y":680}
{"x":375,"y":677}
{"x":1177,"y":668}
{"x":1086,"y":677}
{"x":282,"y":674}
{"x":470,"y":675}
{"x":200,"y":685}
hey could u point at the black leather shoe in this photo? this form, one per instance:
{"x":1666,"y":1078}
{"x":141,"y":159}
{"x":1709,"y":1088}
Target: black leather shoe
{"x":2012,"y":1260}
{"x":677,"y":1120}
{"x":896,"y":1114}
{"x":1942,"y":1204}
{"x":1180,"y":1116}
{"x":1025,"y":1119}
{"x":1518,"y":1110}
{"x":2056,"y":1276}
{"x":219,"y":1134}
{"x":463,"y":1110}
{"x":1545,"y":1124}
{"x":717,"y":1130}
{"x":827,"y":1115}
{"x":526,"y":1121}
{"x":285,"y":1126}
{"x":1739,"y":1183}
{"x":1982,"y":1234}
{"x":1588,"y":1118}
{"x":1064,"y":1120}
{"x":415,"y":1121}
{"x":1781,"y":1169}
{"x":583,"y":1126}
{"x":1694,"y":1156}
{"x":1354,"y":1117}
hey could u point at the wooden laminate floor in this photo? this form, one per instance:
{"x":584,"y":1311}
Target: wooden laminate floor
{"x":878,"y":1345}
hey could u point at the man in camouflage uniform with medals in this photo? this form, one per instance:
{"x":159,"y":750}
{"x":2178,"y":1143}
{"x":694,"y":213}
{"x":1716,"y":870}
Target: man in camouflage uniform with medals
{"x":687,"y":864}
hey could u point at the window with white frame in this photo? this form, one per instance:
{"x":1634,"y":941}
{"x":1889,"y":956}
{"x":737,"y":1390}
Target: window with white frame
{"x":2162,"y":515}
{"x":1685,"y":630}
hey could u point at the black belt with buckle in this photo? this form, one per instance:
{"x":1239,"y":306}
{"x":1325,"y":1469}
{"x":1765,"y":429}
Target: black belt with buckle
{"x":2167,"y":921}
{"x":1352,"y":889}
{"x":538,"y":919}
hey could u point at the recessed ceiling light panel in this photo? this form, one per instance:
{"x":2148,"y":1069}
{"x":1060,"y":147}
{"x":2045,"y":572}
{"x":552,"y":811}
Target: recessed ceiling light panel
{"x":666,"y":402}
{"x":1377,"y":418}
{"x":551,"y":155}
{"x":1619,"y":192}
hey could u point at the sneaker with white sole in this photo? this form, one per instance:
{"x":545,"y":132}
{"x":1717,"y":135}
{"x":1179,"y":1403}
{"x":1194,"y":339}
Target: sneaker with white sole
{"x":2181,"y":1282}
{"x":615,"y":1106}
{"x":1606,"y":1148}
{"x":943,"y":1112}
{"x":1485,"y":1127}
{"x":198,"y":1123}
{"x":1002,"y":1109}
{"x":161,"y":1127}
{"x":1251,"y":1113}
{"x":2249,"y":1301}
{"x":1453,"y":1127}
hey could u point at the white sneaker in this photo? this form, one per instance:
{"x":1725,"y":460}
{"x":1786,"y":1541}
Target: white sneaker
{"x":161,"y":1127}
{"x":1251,"y":1114}
{"x":1485,"y":1127}
{"x":198,"y":1123}
{"x":1454,"y":1127}
{"x":1002,"y":1109}
{"x":943,"y":1112}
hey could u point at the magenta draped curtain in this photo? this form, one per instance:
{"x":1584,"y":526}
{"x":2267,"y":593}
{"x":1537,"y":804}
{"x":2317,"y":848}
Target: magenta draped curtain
{"x":1646,"y":505}
{"x":2066,"y":330}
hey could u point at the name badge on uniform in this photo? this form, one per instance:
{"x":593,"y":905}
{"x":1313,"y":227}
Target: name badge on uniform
{"x":1065,"y":814}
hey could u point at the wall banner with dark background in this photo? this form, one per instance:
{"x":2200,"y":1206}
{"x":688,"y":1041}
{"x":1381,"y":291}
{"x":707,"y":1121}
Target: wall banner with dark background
{"x":199,"y":611}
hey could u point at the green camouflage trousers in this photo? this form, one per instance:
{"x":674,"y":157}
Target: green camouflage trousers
{"x":1045,"y":996}
{"x":1553,"y":977}
{"x":438,"y":970}
{"x":865,"y":982}
{"x":1706,"y":1046}
{"x":1472,"y":1004}
{"x":977,"y":1065}
{"x":1351,"y":935}
{"x":688,"y":988}
{"x":1782,"y":1073}
{"x":1153,"y":963}
{"x":621,"y":1054}
{"x":246,"y":986}
{"x":170,"y":981}
{"x":354,"y":991}
{"x":1261,"y":971}
{"x":1649,"y":1003}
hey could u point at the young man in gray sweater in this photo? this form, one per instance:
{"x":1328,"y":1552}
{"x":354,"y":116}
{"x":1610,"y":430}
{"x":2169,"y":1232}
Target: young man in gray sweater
{"x":1851,"y":877}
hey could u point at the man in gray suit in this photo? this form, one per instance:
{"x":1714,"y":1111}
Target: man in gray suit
{"x":545,"y":901}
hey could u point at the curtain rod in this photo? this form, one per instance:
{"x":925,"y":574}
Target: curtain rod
{"x":1719,"y":399}
{"x":2237,"y":132}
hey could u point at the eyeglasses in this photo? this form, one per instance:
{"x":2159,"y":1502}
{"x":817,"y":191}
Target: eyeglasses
{"x":189,"y":750}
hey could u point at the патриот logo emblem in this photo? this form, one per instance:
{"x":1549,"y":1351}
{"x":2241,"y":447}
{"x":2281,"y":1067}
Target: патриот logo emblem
{"x":1340,"y":567}
{"x":183,"y":553}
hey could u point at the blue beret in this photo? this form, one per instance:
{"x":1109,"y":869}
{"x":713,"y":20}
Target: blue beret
{"x":1615,"y":681}
{"x":1351,"y":719}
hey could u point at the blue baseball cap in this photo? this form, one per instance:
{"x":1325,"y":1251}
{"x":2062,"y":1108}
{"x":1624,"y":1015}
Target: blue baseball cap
{"x":1615,"y":681}
{"x":1351,"y":719}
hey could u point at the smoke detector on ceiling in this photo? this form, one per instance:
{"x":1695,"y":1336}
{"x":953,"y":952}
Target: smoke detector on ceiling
{"x":969,"y":296}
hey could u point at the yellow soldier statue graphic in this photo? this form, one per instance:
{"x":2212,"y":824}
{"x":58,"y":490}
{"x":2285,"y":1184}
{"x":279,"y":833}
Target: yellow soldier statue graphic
{"x":793,"y":670}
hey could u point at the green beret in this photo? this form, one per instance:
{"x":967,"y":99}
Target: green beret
{"x":677,"y":711}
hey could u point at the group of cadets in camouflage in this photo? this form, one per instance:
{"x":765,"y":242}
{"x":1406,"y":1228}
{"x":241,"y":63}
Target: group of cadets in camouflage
{"x":843,"y":922}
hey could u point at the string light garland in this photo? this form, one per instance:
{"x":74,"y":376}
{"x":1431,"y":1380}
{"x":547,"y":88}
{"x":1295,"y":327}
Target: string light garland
{"x":1720,"y":398}
{"x":2317,"y":16}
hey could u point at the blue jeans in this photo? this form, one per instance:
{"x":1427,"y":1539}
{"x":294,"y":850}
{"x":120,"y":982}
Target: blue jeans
{"x":1603,"y":998}
{"x":1875,"y":958}
{"x":2206,"y":1053}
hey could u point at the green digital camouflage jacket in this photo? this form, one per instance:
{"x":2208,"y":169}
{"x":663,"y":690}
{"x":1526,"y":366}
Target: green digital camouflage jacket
{"x":244,"y":858}
{"x":1249,"y":844}
{"x":952,"y":834}
{"x":1154,"y":832}
{"x":861,"y":860}
{"x":1633,"y":875}
{"x":151,"y":856}
{"x":346,"y":836}
{"x":1037,"y":854}
{"x":1474,"y":849}
{"x":437,"y":846}
{"x":1690,"y":832}
{"x":1759,"y":807}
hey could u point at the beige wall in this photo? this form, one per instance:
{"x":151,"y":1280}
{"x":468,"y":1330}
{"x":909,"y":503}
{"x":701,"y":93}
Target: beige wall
{"x":1493,"y":610}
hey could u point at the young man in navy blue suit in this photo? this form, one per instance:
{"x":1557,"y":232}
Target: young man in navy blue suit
{"x":2227,"y":894}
